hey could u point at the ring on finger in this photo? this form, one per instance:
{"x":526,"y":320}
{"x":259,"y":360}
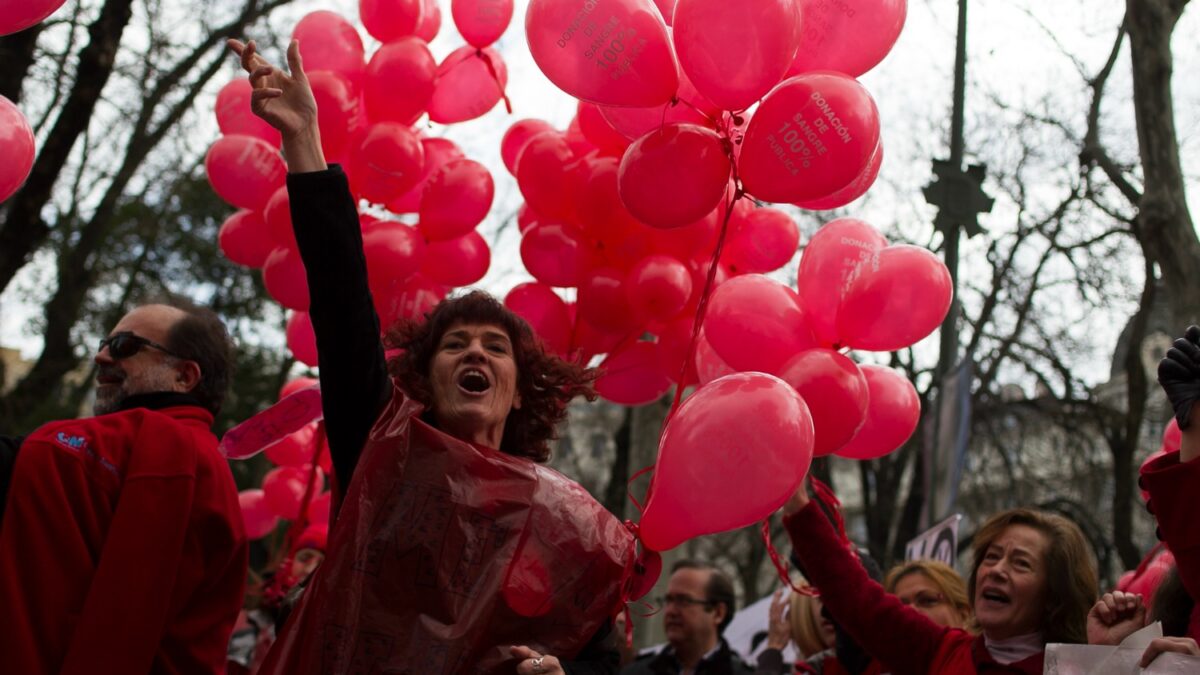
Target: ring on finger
{"x":537,"y":664}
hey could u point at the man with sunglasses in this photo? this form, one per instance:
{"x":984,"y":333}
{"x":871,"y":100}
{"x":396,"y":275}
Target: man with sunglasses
{"x":697,"y":608}
{"x":121,"y":546}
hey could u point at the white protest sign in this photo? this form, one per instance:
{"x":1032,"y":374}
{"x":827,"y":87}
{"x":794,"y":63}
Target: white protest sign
{"x":939,"y":542}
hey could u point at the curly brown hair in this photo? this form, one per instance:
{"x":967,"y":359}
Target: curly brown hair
{"x":545,"y":382}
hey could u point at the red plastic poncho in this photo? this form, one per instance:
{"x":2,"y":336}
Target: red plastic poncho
{"x":444,"y":554}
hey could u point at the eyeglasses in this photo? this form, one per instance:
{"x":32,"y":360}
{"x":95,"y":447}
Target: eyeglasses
{"x":125,"y":344}
{"x":924,"y":600}
{"x":681,"y":601}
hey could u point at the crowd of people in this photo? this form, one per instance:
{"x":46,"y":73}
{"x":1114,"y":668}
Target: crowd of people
{"x":122,"y":548}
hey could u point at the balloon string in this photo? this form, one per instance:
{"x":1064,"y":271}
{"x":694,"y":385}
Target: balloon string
{"x":693,"y":106}
{"x":637,"y":474}
{"x":487,"y":60}
{"x":831,"y":505}
{"x":780,"y":566}
{"x":631,"y":569}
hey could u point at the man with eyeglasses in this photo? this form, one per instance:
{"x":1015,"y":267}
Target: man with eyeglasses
{"x":122,"y":548}
{"x":697,"y":608}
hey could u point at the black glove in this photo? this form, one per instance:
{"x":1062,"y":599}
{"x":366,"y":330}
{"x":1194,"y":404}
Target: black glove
{"x":1179,"y":374}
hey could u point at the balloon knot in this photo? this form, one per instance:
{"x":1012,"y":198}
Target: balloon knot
{"x":738,"y":120}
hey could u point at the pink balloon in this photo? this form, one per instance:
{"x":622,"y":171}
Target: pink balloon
{"x":602,"y":301}
{"x":341,"y":119}
{"x":659,"y":287}
{"x":553,"y":254}
{"x":235,"y":117}
{"x":691,"y":108}
{"x":749,"y":428}
{"x":301,"y":340}
{"x":330,"y":42}
{"x":481,"y":22}
{"x":633,"y":375}
{"x":19,"y":15}
{"x":810,"y":137}
{"x":394,"y":252}
{"x":733,"y":54}
{"x":470,"y":82}
{"x":399,"y":81}
{"x":295,"y":385}
{"x":319,"y":507}
{"x":892,"y":415}
{"x":295,"y":449}
{"x":857,"y":188}
{"x":431,"y":20}
{"x":545,"y":312}
{"x":598,"y":202}
{"x":410,"y":299}
{"x":598,"y":131}
{"x":438,"y":153}
{"x":625,"y":57}
{"x":16,"y":137}
{"x":244,"y":171}
{"x":457,"y":198}
{"x":284,"y":486}
{"x":388,"y":20}
{"x":457,"y":262}
{"x":1172,"y":437}
{"x":278,"y":214}
{"x":387,"y":162}
{"x":829,"y":263}
{"x":544,"y":176}
{"x":256,"y":517}
{"x":850,"y":36}
{"x":286,"y":281}
{"x":755,"y":323}
{"x":674,"y":175}
{"x":245,"y":240}
{"x":709,"y":365}
{"x":836,"y":392}
{"x":666,"y":8}
{"x":763,"y":241}
{"x":517,"y":137}
{"x":900,"y":297}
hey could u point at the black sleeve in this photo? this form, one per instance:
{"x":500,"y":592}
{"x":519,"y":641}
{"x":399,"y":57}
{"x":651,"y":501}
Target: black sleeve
{"x":598,"y":657}
{"x":8,"y":463}
{"x":354,"y":379}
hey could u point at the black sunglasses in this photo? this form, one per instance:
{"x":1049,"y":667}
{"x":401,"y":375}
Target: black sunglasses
{"x":125,"y":344}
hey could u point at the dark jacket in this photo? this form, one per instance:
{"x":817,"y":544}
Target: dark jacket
{"x":722,"y":662}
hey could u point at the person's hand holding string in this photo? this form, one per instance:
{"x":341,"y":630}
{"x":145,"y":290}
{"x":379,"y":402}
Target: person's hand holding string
{"x":285,"y":101}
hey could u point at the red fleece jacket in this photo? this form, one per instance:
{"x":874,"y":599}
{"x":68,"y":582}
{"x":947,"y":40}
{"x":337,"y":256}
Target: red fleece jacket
{"x":122,"y":548}
{"x":1173,"y":486}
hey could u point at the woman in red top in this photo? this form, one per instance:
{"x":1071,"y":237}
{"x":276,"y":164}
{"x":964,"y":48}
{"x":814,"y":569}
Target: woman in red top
{"x":1033,"y":583}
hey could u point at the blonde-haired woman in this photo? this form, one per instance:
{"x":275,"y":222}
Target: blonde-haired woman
{"x":932,"y":588}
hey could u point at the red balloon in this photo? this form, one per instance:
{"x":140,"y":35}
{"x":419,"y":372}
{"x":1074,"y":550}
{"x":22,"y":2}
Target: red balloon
{"x":438,"y":153}
{"x":481,"y":22}
{"x":278,"y":215}
{"x":341,"y":120}
{"x":625,"y":59}
{"x":243,"y":170}
{"x":256,"y":517}
{"x":763,"y":241}
{"x":394,"y":252}
{"x":296,"y":385}
{"x":457,"y":262}
{"x":836,"y":392}
{"x":604,"y":218}
{"x":829,"y":263}
{"x":545,"y":312}
{"x":709,"y":364}
{"x":17,"y":16}
{"x":526,"y":218}
{"x":16,"y":137}
{"x":295,"y":449}
{"x":245,"y":240}
{"x":286,"y":281}
{"x":755,"y":323}
{"x":749,"y":428}
{"x":598,"y":131}
{"x":387,"y":162}
{"x":431,"y":20}
{"x":399,"y":81}
{"x":284,"y":487}
{"x":301,"y":340}
{"x":850,"y":36}
{"x":633,"y":376}
{"x":603,"y":303}
{"x":470,"y":82}
{"x":692,"y":242}
{"x":674,"y":339}
{"x":1172,"y":437}
{"x":690,"y":108}
{"x":543,"y":174}
{"x":732,"y":55}
{"x":410,"y":299}
{"x":658,"y":287}
{"x":517,"y":137}
{"x":319,"y":507}
{"x":553,"y":254}
{"x":667,"y":9}
{"x":388,"y":20}
{"x":457,"y":198}
{"x":892,"y":415}
{"x":857,"y":188}
{"x":810,"y":137}
{"x":900,"y":297}
{"x":330,"y":42}
{"x":235,"y":117}
{"x":674,"y":176}
{"x":589,"y":340}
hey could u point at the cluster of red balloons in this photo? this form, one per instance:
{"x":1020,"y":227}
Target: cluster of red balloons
{"x":294,"y":478}
{"x":16,"y":137}
{"x":368,"y":107}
